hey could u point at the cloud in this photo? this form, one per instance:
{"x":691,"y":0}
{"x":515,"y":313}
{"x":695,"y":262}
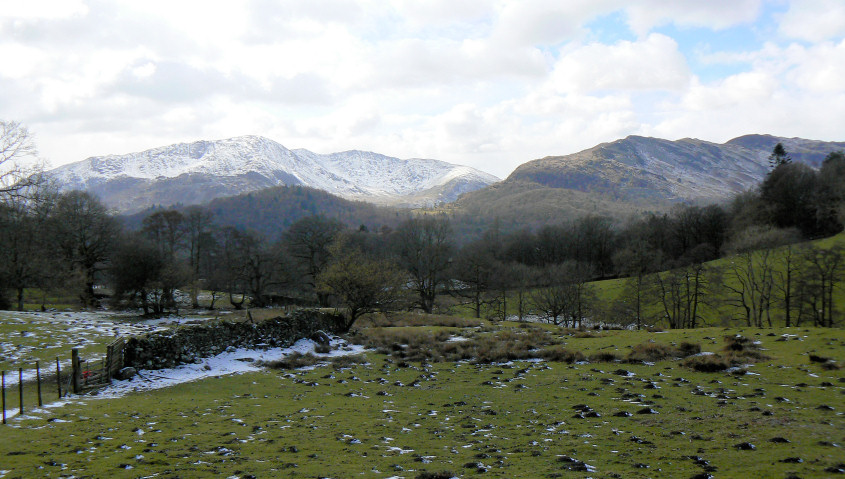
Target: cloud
{"x":644,"y":15}
{"x":814,"y":20}
{"x":649,"y":64}
{"x":491,"y":83}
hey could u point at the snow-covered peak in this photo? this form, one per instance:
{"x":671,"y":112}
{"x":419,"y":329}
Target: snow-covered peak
{"x":351,"y":174}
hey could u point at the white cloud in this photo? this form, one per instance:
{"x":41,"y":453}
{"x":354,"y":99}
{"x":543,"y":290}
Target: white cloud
{"x":42,"y":9}
{"x":652,"y":63}
{"x":644,"y":15}
{"x":814,"y":20}
{"x":492,"y":83}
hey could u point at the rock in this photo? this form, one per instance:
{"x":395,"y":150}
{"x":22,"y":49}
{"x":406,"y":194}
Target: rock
{"x":126,"y":373}
{"x":745,"y":446}
{"x":320,"y":337}
{"x":647,"y":410}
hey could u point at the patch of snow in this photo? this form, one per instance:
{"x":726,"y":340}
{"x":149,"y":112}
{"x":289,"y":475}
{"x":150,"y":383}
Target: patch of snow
{"x":230,"y":362}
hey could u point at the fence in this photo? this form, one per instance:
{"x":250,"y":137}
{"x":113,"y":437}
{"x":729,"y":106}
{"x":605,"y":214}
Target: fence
{"x":84,"y":375}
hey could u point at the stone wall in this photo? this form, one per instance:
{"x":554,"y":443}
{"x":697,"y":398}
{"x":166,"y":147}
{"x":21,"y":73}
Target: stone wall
{"x":187,"y":344}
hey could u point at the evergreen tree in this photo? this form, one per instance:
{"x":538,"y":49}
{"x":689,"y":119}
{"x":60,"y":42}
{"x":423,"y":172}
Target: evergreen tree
{"x":779,"y":156}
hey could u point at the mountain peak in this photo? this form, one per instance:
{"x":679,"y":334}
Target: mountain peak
{"x":192,"y":173}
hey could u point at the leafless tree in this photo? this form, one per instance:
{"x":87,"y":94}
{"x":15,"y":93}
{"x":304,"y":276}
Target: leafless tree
{"x":425,"y":247}
{"x":16,"y":144}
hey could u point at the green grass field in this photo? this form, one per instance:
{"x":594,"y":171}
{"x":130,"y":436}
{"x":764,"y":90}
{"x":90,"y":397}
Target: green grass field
{"x":392,"y":417}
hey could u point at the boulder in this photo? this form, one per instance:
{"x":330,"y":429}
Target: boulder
{"x":126,"y":373}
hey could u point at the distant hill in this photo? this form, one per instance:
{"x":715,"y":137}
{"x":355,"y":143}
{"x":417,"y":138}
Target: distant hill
{"x":634,"y":174}
{"x":195,"y":173}
{"x":272,"y":210}
{"x":638,"y":168}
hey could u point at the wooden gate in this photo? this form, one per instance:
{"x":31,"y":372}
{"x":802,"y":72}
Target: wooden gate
{"x":91,"y":375}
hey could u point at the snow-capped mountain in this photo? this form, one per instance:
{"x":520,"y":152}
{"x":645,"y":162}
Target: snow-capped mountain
{"x":194,"y":173}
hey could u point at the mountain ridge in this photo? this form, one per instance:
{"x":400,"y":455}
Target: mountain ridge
{"x":197,"y":172}
{"x":638,"y":167}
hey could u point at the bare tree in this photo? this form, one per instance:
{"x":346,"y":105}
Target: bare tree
{"x":564,"y":297}
{"x":475,"y":268}
{"x":198,"y":224}
{"x":424,"y":245}
{"x":679,"y":294}
{"x":823,"y":270}
{"x":361,"y":283}
{"x":85,"y":234}
{"x":16,"y":144}
{"x":307,"y":242}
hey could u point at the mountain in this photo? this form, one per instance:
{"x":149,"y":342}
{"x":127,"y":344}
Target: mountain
{"x":195,"y":173}
{"x":638,"y":168}
{"x":631,"y":175}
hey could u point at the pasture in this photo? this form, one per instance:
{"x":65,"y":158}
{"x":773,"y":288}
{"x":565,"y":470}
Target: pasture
{"x":438,"y":398}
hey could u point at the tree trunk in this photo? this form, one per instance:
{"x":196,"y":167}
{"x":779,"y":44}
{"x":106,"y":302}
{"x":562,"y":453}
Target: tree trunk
{"x":20,"y":298}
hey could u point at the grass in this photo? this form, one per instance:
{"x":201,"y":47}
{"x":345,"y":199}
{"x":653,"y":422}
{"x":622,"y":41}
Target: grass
{"x":388,"y":415}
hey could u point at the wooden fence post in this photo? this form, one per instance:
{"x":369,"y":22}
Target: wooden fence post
{"x":38,"y":379}
{"x":20,"y":388}
{"x":109,"y":359}
{"x":75,"y":370}
{"x":3,"y":387}
{"x":59,"y":377}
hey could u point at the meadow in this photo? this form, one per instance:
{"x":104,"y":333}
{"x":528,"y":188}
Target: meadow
{"x":438,"y":396}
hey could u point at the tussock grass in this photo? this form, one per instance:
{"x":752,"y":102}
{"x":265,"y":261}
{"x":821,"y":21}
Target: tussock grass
{"x":710,"y":363}
{"x":562,"y":355}
{"x":651,"y":352}
{"x":294,"y":361}
{"x":418,"y":320}
{"x":604,"y":357}
{"x":436,"y":475}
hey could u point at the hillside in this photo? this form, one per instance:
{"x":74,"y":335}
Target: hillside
{"x":272,"y":210}
{"x":195,"y":173}
{"x":632,"y":175}
{"x":637,"y":169}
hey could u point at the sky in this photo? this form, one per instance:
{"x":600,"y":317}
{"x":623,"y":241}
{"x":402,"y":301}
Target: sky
{"x":486,"y":83}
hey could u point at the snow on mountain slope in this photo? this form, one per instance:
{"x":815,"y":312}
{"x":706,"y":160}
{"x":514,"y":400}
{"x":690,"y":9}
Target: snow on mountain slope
{"x":191,"y":173}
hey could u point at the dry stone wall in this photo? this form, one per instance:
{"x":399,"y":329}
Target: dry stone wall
{"x":187,"y":344}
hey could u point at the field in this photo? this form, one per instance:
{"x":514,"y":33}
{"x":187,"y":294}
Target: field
{"x":408,"y":408}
